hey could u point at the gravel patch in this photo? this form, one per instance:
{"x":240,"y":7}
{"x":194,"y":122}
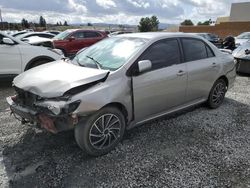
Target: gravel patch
{"x":198,"y":147}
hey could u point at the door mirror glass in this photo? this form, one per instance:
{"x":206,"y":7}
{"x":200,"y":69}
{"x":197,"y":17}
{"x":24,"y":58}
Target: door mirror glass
{"x":144,"y":65}
{"x":8,"y":41}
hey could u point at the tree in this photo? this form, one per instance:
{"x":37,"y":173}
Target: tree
{"x":42,"y":22}
{"x":25,"y":23}
{"x":89,"y":24}
{"x":204,"y":23}
{"x":187,"y":22}
{"x":155,"y":23}
{"x":148,"y":24}
{"x":65,"y":23}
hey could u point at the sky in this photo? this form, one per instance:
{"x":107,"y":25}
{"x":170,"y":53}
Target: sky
{"x":114,"y":11}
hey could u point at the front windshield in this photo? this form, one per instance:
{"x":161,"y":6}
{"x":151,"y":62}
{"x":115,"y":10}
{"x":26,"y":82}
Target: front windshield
{"x":244,"y":36}
{"x":110,"y":53}
{"x":62,"y":36}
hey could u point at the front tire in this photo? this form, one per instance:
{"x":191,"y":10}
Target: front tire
{"x":101,"y":132}
{"x":217,"y":94}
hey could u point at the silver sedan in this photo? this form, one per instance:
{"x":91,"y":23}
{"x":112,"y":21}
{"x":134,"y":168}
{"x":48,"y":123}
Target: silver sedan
{"x":122,"y":82}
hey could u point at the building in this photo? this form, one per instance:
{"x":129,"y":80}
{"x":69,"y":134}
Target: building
{"x":235,"y":24}
{"x":240,"y":12}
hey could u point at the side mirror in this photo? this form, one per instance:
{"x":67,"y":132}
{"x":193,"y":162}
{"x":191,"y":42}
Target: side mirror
{"x":144,"y":65}
{"x":8,"y":41}
{"x":71,"y":38}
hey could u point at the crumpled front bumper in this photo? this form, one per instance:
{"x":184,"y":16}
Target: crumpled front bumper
{"x":24,"y":113}
{"x":52,"y":124}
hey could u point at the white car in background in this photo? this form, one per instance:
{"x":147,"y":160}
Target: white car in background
{"x":242,"y":38}
{"x":17,"y":56}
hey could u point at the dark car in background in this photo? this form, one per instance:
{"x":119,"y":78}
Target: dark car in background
{"x":72,"y":40}
{"x":215,"y":39}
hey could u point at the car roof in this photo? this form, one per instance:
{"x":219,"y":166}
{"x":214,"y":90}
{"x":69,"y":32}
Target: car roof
{"x":158,"y":35}
{"x":32,"y":33}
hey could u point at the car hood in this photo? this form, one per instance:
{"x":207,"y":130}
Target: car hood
{"x":54,"y":79}
{"x":240,"y":41}
{"x":240,"y":52}
{"x":36,"y":40}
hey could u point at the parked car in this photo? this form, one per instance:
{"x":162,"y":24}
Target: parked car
{"x":215,"y":39}
{"x":72,"y":40}
{"x":24,"y":37}
{"x":17,"y":56}
{"x":229,"y":43}
{"x":54,"y":32}
{"x":40,"y":41}
{"x":119,"y":33}
{"x":242,"y":56}
{"x":122,"y":82}
{"x":21,"y":32}
{"x":243,"y":37}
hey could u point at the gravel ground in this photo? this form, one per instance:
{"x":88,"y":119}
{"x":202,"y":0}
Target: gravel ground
{"x":195,"y":148}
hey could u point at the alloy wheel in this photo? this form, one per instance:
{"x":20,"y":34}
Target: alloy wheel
{"x":218,"y":93}
{"x":105,"y":131}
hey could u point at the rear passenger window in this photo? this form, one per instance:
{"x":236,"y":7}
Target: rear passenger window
{"x":194,"y":49}
{"x":91,"y":34}
{"x":210,"y":53}
{"x":78,"y":35}
{"x":163,"y":53}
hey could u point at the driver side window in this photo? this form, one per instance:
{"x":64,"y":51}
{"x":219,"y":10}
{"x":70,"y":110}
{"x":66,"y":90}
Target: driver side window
{"x":163,"y":53}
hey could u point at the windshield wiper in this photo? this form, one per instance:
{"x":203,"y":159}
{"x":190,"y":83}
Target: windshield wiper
{"x":96,"y":62}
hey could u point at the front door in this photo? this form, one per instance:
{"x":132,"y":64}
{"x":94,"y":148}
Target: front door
{"x":164,"y":86}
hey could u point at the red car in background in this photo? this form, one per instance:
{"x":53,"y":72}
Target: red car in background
{"x":72,"y":40}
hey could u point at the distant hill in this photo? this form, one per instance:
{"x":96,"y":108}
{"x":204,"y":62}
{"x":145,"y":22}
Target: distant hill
{"x":107,"y":25}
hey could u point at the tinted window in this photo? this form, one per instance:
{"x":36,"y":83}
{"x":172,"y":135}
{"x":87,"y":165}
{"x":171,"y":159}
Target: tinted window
{"x":210,"y":53}
{"x":78,"y":35}
{"x":91,"y":34}
{"x":1,"y":39}
{"x":45,"y":36}
{"x":163,"y":53}
{"x":194,"y":49}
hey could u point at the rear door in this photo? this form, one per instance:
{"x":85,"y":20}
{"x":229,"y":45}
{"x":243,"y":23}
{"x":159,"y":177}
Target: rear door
{"x":10,"y":58}
{"x":91,"y":37}
{"x":202,"y":68}
{"x":164,"y":86}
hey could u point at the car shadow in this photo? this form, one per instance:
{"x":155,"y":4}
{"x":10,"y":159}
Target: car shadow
{"x":41,"y":159}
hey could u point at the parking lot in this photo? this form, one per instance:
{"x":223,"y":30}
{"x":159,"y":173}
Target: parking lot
{"x":194,"y":148}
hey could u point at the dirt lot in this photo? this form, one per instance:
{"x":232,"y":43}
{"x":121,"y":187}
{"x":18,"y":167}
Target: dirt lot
{"x":195,"y":148}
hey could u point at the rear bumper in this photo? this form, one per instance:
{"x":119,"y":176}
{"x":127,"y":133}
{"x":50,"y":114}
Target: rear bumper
{"x":243,"y":66}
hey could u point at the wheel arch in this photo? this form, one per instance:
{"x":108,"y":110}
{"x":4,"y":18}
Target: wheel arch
{"x":120,"y":107}
{"x":225,"y":79}
{"x":29,"y":64}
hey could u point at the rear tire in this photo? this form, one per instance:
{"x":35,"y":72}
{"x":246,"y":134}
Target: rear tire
{"x":217,"y":94}
{"x":101,"y":132}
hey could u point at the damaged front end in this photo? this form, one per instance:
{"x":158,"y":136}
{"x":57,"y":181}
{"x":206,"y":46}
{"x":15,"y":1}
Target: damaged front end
{"x":53,"y":114}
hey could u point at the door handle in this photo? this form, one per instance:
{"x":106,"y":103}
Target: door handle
{"x":181,"y":73}
{"x":214,"y":65}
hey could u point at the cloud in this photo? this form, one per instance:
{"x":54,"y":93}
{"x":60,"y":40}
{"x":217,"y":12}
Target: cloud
{"x":114,"y":11}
